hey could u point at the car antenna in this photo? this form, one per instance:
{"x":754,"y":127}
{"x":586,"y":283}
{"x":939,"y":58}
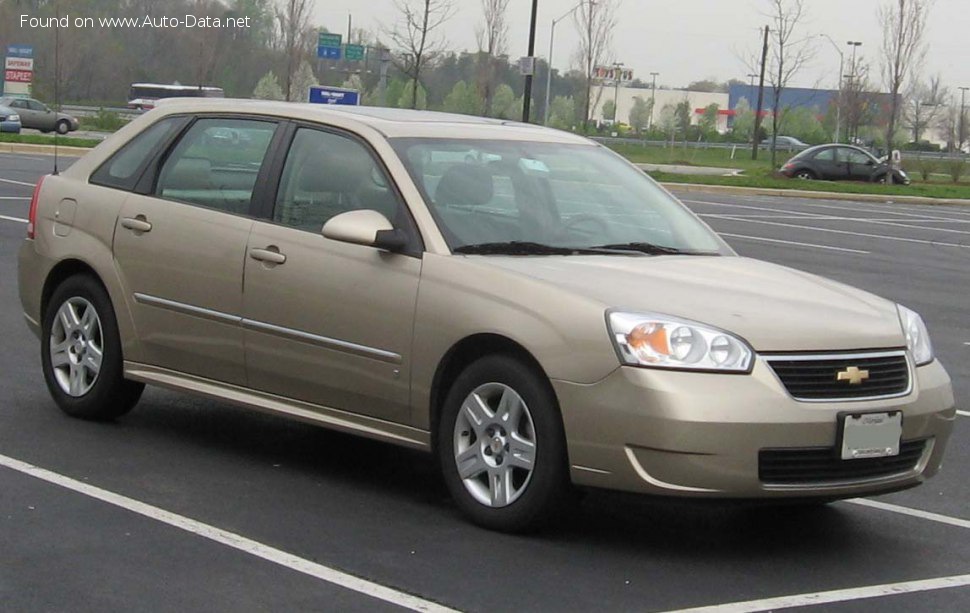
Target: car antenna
{"x":57,"y":99}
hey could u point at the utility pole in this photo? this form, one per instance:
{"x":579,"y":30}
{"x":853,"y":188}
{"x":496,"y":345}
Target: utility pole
{"x":761,"y":99}
{"x":653,"y":98}
{"x":527,"y":95}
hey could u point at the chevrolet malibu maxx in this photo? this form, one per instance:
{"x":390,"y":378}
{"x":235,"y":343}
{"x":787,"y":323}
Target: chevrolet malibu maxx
{"x":520,"y":302}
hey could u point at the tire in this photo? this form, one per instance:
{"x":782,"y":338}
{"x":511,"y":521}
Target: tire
{"x":516,"y":474}
{"x":805,"y":175}
{"x":63,"y":127}
{"x":83,"y":385}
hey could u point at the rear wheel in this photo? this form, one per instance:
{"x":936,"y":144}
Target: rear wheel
{"x":805,"y":175}
{"x":501,"y":445}
{"x":81,"y":353}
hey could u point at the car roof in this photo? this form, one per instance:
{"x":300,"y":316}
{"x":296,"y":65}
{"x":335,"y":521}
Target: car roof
{"x":393,"y":123}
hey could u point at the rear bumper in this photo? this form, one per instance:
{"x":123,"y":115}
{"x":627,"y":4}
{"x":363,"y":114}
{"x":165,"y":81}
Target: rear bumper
{"x":697,"y":434}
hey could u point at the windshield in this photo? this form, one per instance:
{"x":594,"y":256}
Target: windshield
{"x":529,"y":198}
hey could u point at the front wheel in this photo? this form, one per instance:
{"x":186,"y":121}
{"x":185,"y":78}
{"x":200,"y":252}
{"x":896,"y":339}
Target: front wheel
{"x":501,"y":445}
{"x":63,"y":127}
{"x":81,"y":353}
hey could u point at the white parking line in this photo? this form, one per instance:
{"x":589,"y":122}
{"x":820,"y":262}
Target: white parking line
{"x":818,"y":598}
{"x":896,"y":224}
{"x":230,"y":539}
{"x":931,"y":212}
{"x":784,"y":242}
{"x":834,"y":231}
{"x":963,"y":413}
{"x":14,"y":197}
{"x":11,"y":181}
{"x":7,"y":218}
{"x":895,"y":508}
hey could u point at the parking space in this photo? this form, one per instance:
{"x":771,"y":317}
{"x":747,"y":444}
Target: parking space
{"x":345,"y":508}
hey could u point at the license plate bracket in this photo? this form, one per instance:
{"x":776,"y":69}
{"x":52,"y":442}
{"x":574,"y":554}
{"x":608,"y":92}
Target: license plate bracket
{"x":870,"y":435}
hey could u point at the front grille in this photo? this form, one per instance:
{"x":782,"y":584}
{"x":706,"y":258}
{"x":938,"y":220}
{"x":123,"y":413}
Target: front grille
{"x":816,"y":377}
{"x":823,"y":465}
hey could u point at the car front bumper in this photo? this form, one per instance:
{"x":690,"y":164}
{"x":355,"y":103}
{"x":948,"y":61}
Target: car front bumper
{"x":698,"y":434}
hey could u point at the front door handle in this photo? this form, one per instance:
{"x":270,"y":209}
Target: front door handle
{"x":138,"y":224}
{"x":270,"y":255}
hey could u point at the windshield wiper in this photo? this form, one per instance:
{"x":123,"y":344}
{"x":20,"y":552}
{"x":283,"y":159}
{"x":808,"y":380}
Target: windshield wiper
{"x":652,"y":249}
{"x":531,"y":248}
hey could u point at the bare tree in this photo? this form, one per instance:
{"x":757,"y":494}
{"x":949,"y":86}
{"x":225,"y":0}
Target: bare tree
{"x":925,"y":105}
{"x":293,"y":21}
{"x":415,"y":35}
{"x":787,"y":56}
{"x":492,"y":40}
{"x":903,"y":30}
{"x":596,"y":21}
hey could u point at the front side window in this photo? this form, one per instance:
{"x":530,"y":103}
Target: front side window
{"x":326,"y":174}
{"x":857,"y":157}
{"x":506,"y":196}
{"x":216,"y":163}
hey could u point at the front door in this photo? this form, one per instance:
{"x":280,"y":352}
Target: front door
{"x":180,"y":249}
{"x":327,"y":322}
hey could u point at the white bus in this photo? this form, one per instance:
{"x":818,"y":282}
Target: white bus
{"x":142,"y":96}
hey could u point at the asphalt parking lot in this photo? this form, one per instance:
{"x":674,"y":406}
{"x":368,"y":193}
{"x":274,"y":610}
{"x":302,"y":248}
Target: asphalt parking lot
{"x":188,"y":504}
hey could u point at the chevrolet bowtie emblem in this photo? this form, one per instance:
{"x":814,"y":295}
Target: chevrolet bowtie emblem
{"x":853,"y":375}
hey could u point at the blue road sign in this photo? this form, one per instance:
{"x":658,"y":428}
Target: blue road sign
{"x":328,"y":53}
{"x":20,"y":51}
{"x":321,"y":94}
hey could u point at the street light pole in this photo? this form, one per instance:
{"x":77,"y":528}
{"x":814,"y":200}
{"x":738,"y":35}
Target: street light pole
{"x":963,"y":117}
{"x":838,"y":106}
{"x":653,"y":98}
{"x":552,"y":38}
{"x":527,"y":95}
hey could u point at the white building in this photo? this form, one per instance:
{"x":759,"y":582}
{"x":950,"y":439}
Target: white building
{"x":663,"y":97}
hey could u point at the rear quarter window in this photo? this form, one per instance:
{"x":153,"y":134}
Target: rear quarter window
{"x":123,"y":169}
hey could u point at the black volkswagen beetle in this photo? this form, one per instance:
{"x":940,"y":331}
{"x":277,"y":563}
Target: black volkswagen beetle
{"x":842,"y":163}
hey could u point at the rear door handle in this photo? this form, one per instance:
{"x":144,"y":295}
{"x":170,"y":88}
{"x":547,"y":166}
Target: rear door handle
{"x":138,"y":224}
{"x":270,"y":255}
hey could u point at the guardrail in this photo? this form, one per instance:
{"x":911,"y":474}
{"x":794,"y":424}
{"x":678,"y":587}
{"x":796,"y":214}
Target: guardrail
{"x":907,"y":155}
{"x":89,"y":111}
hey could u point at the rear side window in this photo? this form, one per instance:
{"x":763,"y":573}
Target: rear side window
{"x":123,"y":168}
{"x":216,"y":163}
{"x":826,"y":155}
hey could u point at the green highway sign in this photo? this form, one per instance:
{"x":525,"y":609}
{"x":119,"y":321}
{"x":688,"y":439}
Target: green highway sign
{"x":354,"y":52}
{"x":328,"y":39}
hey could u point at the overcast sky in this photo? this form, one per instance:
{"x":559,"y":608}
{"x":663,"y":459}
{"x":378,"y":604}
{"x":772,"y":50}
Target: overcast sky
{"x":689,"y":40}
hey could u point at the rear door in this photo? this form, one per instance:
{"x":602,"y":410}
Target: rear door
{"x":181,"y":243}
{"x":329,"y":322}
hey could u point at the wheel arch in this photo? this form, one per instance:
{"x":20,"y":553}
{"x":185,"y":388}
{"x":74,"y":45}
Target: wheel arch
{"x":465,"y":352}
{"x":59,"y":273}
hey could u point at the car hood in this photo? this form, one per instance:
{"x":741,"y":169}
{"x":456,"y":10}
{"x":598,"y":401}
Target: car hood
{"x":772,"y":307}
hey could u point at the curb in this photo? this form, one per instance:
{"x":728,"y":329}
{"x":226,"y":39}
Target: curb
{"x":43,"y":149}
{"x":810,"y":195}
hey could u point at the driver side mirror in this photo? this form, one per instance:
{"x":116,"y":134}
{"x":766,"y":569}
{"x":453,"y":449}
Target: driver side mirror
{"x":365,"y":227}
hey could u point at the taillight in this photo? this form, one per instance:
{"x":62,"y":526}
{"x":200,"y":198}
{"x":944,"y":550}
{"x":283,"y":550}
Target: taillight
{"x":32,"y":216}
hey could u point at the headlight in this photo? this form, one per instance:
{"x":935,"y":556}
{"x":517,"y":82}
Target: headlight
{"x":662,"y":341}
{"x":13,"y":117}
{"x":917,"y":338}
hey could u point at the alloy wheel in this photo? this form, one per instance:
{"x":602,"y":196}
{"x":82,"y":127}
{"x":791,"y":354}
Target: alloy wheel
{"x":76,"y":346}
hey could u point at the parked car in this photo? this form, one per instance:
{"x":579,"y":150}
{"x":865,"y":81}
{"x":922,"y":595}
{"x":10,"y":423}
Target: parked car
{"x":842,"y":163}
{"x":38,"y":116}
{"x":789,"y":143}
{"x":9,"y":120}
{"x":521,"y":302}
